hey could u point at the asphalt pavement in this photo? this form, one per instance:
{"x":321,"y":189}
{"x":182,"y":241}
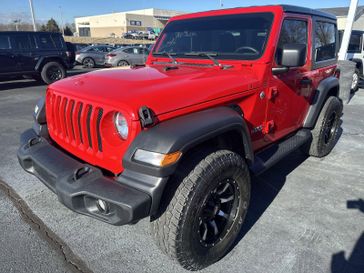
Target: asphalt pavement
{"x":306,"y":214}
{"x":23,"y":249}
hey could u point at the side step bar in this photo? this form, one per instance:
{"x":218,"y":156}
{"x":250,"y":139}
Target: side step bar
{"x":270,"y":156}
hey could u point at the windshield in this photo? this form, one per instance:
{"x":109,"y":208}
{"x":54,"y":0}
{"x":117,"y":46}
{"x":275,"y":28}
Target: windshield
{"x":241,"y":36}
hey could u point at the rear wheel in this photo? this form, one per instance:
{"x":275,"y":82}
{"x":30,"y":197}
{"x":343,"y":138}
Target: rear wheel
{"x":355,"y":80}
{"x":325,"y":131}
{"x":52,"y":71}
{"x":88,"y":62}
{"x":206,"y":212}
{"x":123,"y":63}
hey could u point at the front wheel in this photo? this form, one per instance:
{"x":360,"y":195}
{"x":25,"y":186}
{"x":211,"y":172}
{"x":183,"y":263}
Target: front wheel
{"x":206,"y":212}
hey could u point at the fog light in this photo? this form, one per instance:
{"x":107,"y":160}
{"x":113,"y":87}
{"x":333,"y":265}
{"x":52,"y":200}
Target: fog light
{"x":102,"y":206}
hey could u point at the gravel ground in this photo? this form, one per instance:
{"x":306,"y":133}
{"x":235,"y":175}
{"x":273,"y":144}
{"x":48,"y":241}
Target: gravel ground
{"x":299,"y":221}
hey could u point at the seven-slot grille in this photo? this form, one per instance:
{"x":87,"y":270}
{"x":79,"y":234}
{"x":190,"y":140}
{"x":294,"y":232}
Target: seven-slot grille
{"x":76,"y":122}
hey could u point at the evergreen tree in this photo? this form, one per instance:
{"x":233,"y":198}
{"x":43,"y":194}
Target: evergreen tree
{"x":52,"y":26}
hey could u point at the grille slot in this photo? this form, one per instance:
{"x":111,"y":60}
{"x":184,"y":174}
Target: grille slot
{"x":99,"y":117}
{"x":79,"y":122}
{"x":88,"y":124}
{"x":72,"y":103}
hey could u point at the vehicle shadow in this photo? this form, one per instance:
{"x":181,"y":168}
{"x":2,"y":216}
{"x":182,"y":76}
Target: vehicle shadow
{"x":266,"y":187}
{"x":16,"y":84}
{"x":355,"y":262}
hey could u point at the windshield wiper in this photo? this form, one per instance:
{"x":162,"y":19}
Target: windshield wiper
{"x":209,"y":55}
{"x":169,"y":54}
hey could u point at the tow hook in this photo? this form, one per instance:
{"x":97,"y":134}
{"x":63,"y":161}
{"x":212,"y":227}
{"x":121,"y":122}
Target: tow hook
{"x":81,"y":172}
{"x":34,"y":141}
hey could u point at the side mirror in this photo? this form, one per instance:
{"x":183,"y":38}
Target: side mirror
{"x":293,"y":55}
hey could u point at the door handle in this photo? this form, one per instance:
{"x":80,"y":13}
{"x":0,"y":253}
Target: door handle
{"x":306,"y":81}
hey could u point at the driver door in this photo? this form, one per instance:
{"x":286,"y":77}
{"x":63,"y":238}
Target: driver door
{"x":289,"y":93}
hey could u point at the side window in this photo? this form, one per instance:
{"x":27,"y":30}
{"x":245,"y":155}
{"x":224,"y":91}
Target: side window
{"x":45,"y":41}
{"x":21,"y":42}
{"x":57,"y":40}
{"x":355,"y":44}
{"x":5,"y":42}
{"x":129,"y":50}
{"x":325,"y":41}
{"x":293,"y":31}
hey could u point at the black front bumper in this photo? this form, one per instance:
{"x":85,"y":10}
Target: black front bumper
{"x":79,"y":185}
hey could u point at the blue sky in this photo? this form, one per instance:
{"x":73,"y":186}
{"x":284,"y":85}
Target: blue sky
{"x":44,"y":9}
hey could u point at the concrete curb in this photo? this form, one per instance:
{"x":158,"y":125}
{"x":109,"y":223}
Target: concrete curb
{"x":76,"y":264}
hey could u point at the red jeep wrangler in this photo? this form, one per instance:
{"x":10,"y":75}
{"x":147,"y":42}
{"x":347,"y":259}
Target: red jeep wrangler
{"x":224,"y":95}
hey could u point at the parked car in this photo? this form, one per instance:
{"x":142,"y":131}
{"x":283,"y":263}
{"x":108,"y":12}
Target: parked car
{"x":127,"y":56}
{"x":131,"y":35}
{"x":147,"y":35}
{"x":79,"y":46}
{"x":224,"y":96}
{"x":93,"y":55}
{"x":355,"y":53}
{"x":41,"y":55}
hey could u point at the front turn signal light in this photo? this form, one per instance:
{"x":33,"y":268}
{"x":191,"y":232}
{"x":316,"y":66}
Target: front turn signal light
{"x":156,"y":159}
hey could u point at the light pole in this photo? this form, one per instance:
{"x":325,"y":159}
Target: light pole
{"x":221,"y":4}
{"x":349,"y":26}
{"x":62,"y":26}
{"x":32,"y":12}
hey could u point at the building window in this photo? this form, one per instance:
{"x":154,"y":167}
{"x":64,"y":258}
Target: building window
{"x":84,"y":32}
{"x":135,"y":23}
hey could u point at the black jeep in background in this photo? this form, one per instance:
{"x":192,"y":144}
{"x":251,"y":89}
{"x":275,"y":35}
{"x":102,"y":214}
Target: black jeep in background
{"x":41,"y":55}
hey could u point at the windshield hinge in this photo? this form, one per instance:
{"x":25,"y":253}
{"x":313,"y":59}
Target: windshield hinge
{"x":146,"y":115}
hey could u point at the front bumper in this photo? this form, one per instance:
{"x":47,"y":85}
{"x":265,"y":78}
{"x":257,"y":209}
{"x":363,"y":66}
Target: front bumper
{"x":79,"y":185}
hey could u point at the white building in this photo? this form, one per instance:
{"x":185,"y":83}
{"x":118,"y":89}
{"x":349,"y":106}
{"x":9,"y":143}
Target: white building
{"x":121,"y":22}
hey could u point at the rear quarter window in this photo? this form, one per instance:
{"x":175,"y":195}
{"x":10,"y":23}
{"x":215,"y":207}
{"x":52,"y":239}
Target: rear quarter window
{"x":45,"y":41}
{"x":325,"y":41}
{"x":58,"y":41}
{"x":4,"y":42}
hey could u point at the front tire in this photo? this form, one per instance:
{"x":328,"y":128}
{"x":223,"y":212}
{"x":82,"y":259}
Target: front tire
{"x":325,"y":131}
{"x":206,"y":212}
{"x":52,"y":72}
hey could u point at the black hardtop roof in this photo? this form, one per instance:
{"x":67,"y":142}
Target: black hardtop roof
{"x":31,"y":32}
{"x":301,"y":10}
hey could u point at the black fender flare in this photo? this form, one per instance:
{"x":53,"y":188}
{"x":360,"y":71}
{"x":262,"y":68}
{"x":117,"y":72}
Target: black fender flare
{"x":43,"y":59}
{"x":321,"y":94}
{"x":359,"y":65}
{"x":185,"y":132}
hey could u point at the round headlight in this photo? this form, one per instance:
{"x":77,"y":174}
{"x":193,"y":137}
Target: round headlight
{"x":121,"y":125}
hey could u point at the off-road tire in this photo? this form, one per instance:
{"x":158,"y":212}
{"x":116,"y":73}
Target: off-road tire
{"x":176,"y":230}
{"x":355,"y":87}
{"x":319,"y":146}
{"x":52,"y":72}
{"x":88,"y":62}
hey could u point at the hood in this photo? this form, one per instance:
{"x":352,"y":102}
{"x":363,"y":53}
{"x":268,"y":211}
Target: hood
{"x":160,"y":90}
